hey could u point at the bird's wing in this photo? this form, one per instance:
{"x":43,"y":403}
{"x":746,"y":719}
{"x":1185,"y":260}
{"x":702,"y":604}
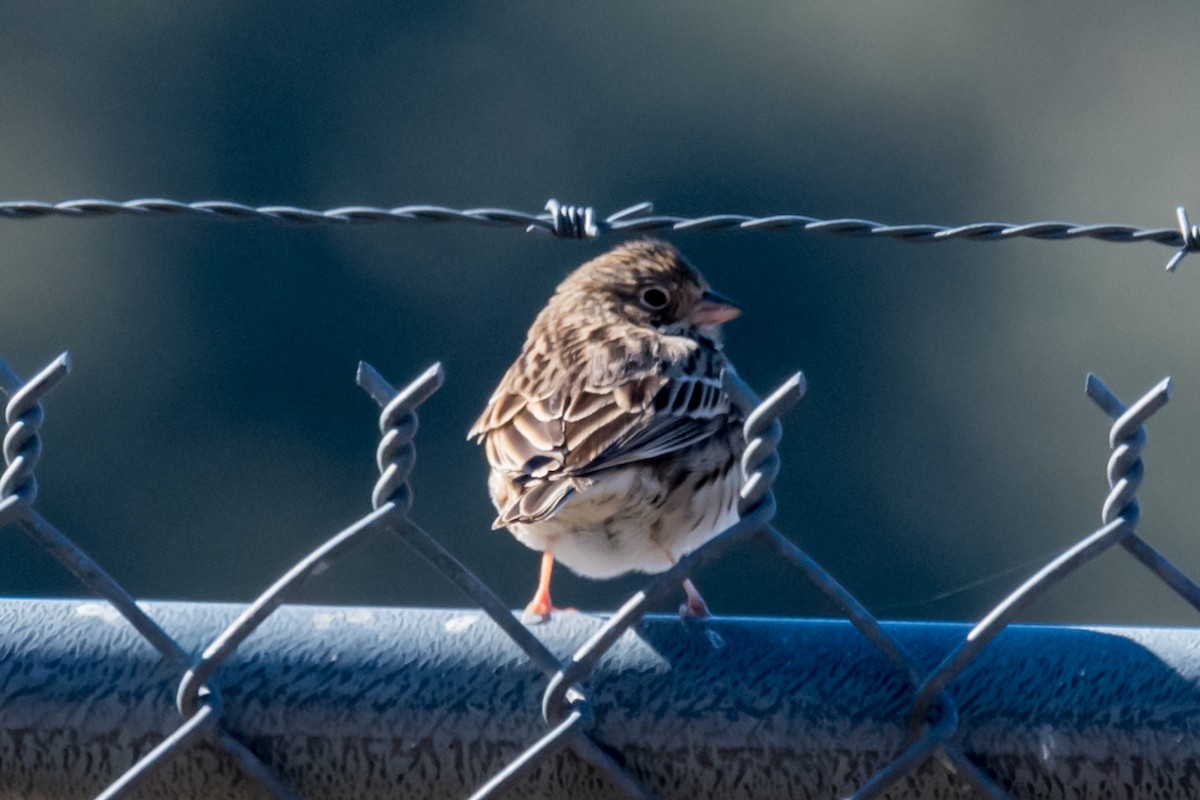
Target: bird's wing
{"x":548,"y":436}
{"x":686,"y":409}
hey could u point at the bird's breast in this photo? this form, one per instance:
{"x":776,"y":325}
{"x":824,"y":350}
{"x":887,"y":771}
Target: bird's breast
{"x":641,"y":517}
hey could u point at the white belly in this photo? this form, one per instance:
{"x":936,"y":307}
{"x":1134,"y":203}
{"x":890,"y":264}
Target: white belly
{"x":625,"y":522}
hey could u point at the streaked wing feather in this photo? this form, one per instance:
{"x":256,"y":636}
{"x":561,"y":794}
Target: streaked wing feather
{"x":546,"y":442}
{"x":686,"y":410}
{"x":543,"y":435}
{"x":658,"y":439}
{"x":538,"y":501}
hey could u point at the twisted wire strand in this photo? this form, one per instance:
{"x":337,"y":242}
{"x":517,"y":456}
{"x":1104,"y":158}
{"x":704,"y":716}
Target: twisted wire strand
{"x":22,"y":448}
{"x":756,"y":509}
{"x":763,"y":432}
{"x":1117,"y":528}
{"x":396,"y":454}
{"x":582,"y":222}
{"x":1127,"y":439}
{"x":934,"y":717}
{"x":395,"y":457}
{"x":393,"y":475}
{"x":399,"y":410}
{"x":392,"y":498}
{"x":17,"y":507}
{"x":927,"y":737}
{"x":760,"y":465}
{"x":395,"y":460}
{"x":563,"y":699}
{"x":24,"y":417}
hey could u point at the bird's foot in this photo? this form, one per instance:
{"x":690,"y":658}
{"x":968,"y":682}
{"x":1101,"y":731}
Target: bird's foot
{"x":540,"y":607}
{"x":539,"y":611}
{"x":695,"y":607}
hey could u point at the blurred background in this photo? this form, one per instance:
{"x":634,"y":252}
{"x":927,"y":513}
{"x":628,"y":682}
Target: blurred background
{"x":211,"y":432}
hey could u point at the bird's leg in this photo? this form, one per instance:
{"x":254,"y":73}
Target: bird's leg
{"x":539,"y":607}
{"x":695,"y":606}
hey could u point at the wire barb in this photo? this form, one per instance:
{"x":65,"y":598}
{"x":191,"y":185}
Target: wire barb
{"x":580,"y":222}
{"x":1191,"y":238}
{"x":570,"y":222}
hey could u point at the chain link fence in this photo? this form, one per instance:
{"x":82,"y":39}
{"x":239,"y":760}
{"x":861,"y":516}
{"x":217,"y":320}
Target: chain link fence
{"x":930,"y":719}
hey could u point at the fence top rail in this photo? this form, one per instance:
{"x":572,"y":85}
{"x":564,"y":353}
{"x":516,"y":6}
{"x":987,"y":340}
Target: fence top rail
{"x":362,"y":695}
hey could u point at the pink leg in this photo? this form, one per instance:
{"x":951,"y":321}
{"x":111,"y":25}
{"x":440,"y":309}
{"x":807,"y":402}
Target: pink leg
{"x":695,"y":605}
{"x":540,"y":606}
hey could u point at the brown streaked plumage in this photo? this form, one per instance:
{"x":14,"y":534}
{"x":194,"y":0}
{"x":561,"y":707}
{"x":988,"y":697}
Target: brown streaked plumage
{"x":612,"y":445}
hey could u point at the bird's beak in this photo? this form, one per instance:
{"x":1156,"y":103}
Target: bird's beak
{"x":713,"y":309}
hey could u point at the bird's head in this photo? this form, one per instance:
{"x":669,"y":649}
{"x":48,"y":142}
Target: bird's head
{"x":648,"y":283}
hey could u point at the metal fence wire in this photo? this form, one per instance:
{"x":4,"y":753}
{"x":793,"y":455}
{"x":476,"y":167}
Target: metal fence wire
{"x":582,"y":222}
{"x":931,"y":726}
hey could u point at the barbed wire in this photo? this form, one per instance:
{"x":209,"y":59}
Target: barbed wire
{"x":582,"y":222}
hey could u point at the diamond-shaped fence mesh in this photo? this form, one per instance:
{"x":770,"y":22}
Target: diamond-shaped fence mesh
{"x":280,"y":701}
{"x":928,"y":720}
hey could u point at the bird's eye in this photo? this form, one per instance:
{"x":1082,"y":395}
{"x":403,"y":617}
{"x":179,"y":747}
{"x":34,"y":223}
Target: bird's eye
{"x":653,"y":298}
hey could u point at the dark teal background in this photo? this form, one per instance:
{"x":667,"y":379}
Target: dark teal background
{"x":211,"y":433}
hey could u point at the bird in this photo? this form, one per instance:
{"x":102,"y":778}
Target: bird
{"x":611,"y":442}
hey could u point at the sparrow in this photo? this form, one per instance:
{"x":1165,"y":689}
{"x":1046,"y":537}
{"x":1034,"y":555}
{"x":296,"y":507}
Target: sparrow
{"x":611,"y":443}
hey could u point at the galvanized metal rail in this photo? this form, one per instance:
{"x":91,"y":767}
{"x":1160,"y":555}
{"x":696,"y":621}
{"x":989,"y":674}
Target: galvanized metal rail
{"x":166,"y":699}
{"x":363,"y":702}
